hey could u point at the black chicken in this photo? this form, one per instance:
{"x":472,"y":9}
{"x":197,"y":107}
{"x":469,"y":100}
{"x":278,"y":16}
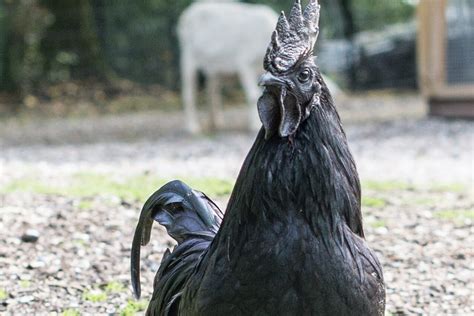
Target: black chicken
{"x":291,"y":241}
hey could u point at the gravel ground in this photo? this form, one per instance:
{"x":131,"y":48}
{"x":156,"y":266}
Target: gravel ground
{"x":418,"y":176}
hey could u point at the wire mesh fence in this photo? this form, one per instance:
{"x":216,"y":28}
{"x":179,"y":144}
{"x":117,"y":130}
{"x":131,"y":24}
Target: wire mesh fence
{"x":460,"y":42}
{"x":365,"y":44}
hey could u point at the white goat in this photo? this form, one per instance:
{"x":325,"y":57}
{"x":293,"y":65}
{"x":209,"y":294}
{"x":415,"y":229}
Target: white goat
{"x":222,"y":38}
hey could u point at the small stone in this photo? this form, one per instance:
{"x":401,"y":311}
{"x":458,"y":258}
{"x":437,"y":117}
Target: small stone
{"x":35,"y":265}
{"x":31,"y":235}
{"x":111,"y":310}
{"x":26,"y":299}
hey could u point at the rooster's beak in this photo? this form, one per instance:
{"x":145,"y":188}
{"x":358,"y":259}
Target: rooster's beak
{"x":268,"y":79}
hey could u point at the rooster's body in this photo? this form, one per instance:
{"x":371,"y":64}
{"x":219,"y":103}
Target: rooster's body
{"x":291,"y":241}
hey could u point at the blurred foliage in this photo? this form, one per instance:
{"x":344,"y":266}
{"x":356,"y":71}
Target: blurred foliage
{"x":3,"y":35}
{"x":375,"y":14}
{"x":25,"y":24}
{"x":71,"y":45}
{"x":50,"y":41}
{"x":366,"y":14}
{"x":141,"y":41}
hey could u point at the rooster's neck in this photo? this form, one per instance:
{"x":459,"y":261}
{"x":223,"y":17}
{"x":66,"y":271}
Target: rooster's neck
{"x":312,"y":174}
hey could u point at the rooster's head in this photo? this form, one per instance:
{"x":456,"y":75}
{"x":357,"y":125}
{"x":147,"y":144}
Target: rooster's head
{"x":291,"y":80}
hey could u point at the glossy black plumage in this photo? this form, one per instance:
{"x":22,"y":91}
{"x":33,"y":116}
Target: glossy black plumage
{"x":291,"y":241}
{"x":192,"y":219}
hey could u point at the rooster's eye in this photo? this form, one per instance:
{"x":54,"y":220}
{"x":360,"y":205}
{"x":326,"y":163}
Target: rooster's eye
{"x":304,"y":75}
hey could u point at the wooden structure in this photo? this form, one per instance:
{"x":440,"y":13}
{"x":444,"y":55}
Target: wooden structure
{"x":446,"y":56}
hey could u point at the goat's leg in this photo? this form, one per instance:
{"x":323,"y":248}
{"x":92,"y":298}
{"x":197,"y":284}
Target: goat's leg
{"x":188,"y":90}
{"x":248,"y":79}
{"x":215,"y":99}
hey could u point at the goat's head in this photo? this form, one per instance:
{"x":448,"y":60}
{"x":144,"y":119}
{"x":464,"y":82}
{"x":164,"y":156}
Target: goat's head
{"x":291,"y":79}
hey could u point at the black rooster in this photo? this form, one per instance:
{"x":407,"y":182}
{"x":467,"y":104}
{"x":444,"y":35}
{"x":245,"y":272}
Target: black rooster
{"x":291,"y":241}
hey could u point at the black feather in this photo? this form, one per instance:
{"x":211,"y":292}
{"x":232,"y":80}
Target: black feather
{"x":185,"y":213}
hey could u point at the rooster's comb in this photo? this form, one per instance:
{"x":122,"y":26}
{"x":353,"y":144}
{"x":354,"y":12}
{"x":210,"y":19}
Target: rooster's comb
{"x":293,"y":38}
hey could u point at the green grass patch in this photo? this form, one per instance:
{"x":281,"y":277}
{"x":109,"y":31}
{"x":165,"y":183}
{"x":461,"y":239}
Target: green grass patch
{"x":29,"y":185}
{"x":71,"y":312}
{"x":133,"y":307}
{"x":92,"y":184}
{"x":130,"y":188}
{"x":114,"y":287}
{"x":3,"y":294}
{"x":387,"y":185}
{"x":94,"y":296}
{"x":25,"y":284}
{"x":212,"y":186}
{"x":373,"y":202}
{"x":449,"y":187}
{"x":455,"y":214}
{"x":377,"y":224}
{"x":424,"y":201}
{"x":85,"y":205}
{"x":80,"y":243}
